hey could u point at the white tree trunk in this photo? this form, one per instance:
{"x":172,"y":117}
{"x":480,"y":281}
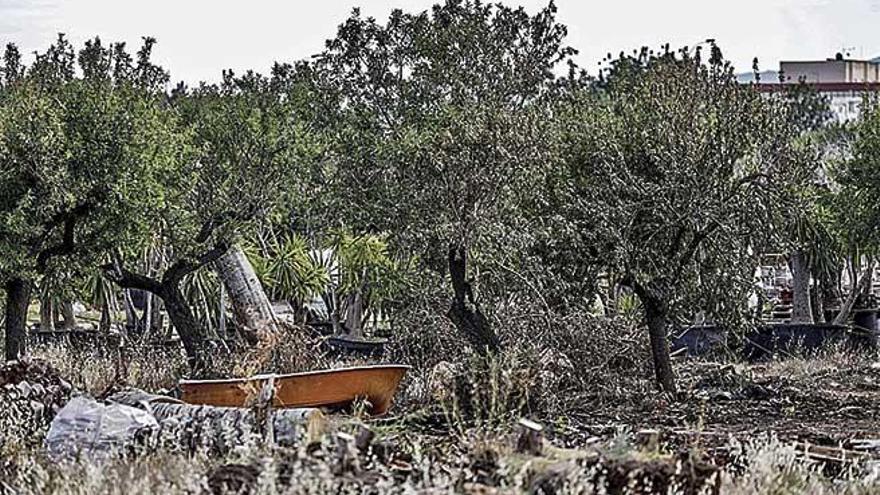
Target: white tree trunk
{"x":131,"y":318}
{"x":251,"y":309}
{"x":67,"y":315}
{"x":801,"y":308}
{"x":221,"y":313}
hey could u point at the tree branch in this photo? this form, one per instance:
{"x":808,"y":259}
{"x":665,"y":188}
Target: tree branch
{"x":68,"y":240}
{"x":185,"y":266}
{"x":116,"y":273}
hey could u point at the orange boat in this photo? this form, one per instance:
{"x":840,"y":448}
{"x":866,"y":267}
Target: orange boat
{"x":336,"y":388}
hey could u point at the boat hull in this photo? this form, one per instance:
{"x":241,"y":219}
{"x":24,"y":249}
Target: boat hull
{"x":337,"y":388}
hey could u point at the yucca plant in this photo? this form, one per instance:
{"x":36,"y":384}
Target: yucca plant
{"x":101,"y":293}
{"x":365,"y":277}
{"x":289,"y":270}
{"x":202,"y":289}
{"x":294,"y":273}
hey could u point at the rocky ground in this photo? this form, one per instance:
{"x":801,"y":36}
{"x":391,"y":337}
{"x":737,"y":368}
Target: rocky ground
{"x":800,"y":425}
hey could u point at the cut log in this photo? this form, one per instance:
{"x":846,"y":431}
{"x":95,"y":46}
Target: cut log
{"x":222,"y":428}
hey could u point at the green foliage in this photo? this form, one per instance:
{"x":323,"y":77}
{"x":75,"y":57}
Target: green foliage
{"x":290,"y":271}
{"x":365,"y":264}
{"x":78,"y":154}
{"x":441,"y":125}
{"x":859,"y":178}
{"x":666,"y":168}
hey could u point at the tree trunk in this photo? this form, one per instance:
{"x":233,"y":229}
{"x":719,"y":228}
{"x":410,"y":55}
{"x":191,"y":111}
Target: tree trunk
{"x":47,"y":317}
{"x":147,"y":318}
{"x":104,"y":323}
{"x":156,"y":315}
{"x":186,"y":324}
{"x":196,"y":425}
{"x":67,"y":315}
{"x":131,"y":318}
{"x":658,"y":321}
{"x":354,"y":316}
{"x":862,"y":286}
{"x":18,"y":297}
{"x":176,"y":305}
{"x":818,"y":303}
{"x":657,"y":317}
{"x":221,"y":313}
{"x":464,"y":312}
{"x":251,"y":308}
{"x":801,"y":309}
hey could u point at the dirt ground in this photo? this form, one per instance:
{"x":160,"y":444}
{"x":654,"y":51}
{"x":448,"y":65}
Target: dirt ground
{"x":820,"y":417}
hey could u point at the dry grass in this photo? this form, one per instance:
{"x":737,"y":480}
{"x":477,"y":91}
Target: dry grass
{"x":453,"y":430}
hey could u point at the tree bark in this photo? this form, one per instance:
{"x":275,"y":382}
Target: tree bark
{"x":131,"y":318}
{"x":221,"y":313}
{"x":106,"y":318}
{"x":47,"y":317}
{"x":801,"y":308}
{"x":354,"y":317}
{"x":186,"y":324}
{"x":862,"y":286}
{"x":147,"y":318}
{"x":67,"y":315}
{"x":464,"y":312}
{"x":18,"y":297}
{"x":197,"y":424}
{"x":816,"y":300}
{"x":657,"y":317}
{"x":251,"y":307}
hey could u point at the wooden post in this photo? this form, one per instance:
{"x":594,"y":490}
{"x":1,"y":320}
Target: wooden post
{"x":530,"y":438}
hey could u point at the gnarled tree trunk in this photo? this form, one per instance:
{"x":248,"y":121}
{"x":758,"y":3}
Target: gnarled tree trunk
{"x":251,"y":307}
{"x":464,"y":312}
{"x":186,"y":324}
{"x":18,"y":297}
{"x":863,"y":284}
{"x":801,"y":307}
{"x":354,"y":317}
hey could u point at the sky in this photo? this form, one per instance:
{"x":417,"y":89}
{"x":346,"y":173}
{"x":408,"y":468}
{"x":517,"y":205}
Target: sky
{"x":199,"y":38}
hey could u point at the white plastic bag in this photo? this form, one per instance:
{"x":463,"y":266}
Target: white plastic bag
{"x":94,"y":430}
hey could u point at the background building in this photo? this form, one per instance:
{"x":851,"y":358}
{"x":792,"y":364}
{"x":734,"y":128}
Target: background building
{"x":845,"y":81}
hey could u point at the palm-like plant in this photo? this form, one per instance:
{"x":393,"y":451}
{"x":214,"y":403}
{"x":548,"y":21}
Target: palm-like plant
{"x":365,"y":277}
{"x":289,"y":269}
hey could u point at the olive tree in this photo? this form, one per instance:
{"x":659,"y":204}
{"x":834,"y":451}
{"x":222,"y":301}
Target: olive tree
{"x":668,"y":159}
{"x":855,"y":210}
{"x":242,"y":144}
{"x":441,"y":126}
{"x":80,"y":136}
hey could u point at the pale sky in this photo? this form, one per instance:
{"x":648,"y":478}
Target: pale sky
{"x":199,"y":38}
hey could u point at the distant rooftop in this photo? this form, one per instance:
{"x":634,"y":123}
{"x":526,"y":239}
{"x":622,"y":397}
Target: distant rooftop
{"x":831,"y":74}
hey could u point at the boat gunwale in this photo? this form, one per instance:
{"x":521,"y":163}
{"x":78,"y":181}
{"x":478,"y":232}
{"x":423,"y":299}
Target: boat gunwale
{"x":266,"y":376}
